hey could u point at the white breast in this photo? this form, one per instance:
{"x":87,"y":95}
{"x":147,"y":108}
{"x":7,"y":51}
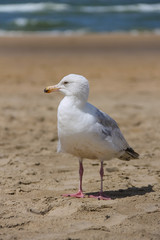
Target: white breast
{"x":78,"y":135}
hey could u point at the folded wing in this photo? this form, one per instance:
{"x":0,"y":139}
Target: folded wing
{"x":110,"y":128}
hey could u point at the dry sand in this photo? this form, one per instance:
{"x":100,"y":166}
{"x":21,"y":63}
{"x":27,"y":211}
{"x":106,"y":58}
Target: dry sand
{"x":124,"y":75}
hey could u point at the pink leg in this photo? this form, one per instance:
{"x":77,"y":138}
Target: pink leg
{"x":79,"y":194}
{"x":101,"y":195}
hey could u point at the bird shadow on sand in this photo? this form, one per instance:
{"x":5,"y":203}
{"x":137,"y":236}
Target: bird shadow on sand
{"x":129,"y":192}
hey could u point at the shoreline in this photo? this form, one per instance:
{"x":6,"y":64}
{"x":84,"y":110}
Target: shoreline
{"x":74,"y":33}
{"x":84,"y":43}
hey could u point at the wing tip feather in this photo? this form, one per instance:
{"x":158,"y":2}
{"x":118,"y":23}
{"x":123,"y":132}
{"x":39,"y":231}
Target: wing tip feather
{"x":129,"y":154}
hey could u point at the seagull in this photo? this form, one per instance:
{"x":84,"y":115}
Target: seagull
{"x":85,"y":131}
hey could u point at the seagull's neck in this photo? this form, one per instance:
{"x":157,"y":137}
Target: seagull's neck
{"x":73,"y":101}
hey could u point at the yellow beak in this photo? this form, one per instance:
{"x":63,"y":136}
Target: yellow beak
{"x":51,"y":89}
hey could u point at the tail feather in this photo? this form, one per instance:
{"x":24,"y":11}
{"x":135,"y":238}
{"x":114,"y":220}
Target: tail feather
{"x":129,"y":154}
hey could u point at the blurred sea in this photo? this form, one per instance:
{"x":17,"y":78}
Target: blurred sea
{"x":83,"y":16}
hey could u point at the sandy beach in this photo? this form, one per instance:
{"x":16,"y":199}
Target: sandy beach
{"x":124,"y":76}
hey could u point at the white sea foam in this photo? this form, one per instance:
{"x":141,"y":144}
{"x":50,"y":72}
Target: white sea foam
{"x":33,"y":7}
{"x":36,"y":7}
{"x":21,"y":22}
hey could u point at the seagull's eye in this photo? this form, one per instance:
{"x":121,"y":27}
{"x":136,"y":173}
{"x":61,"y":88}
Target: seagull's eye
{"x":65,"y":83}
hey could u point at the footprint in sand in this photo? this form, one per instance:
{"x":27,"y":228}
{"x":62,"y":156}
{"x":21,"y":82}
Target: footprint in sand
{"x":115,"y":219}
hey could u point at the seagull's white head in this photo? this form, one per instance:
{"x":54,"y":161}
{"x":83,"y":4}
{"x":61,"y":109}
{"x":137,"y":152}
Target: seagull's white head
{"x":71,"y":85}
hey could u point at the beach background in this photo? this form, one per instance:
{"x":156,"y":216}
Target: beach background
{"x":69,"y":16}
{"x":116,"y":46}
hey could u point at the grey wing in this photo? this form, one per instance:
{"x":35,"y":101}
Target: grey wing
{"x":110,"y":128}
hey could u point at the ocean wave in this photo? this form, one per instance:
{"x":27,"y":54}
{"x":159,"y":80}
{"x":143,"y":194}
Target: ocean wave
{"x":68,"y":32}
{"x":25,"y":24}
{"x":141,"y":7}
{"x":33,"y":7}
